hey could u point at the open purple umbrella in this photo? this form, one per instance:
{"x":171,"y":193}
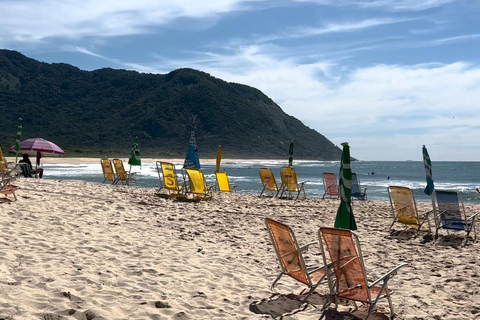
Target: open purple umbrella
{"x":34,"y":145}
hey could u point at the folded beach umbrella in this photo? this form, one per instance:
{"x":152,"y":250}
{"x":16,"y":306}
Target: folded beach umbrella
{"x":290,"y":154}
{"x":191,"y":160}
{"x":345,"y":218}
{"x":135,"y":155}
{"x":219,"y":158}
{"x":428,"y":172}
{"x":17,"y":140}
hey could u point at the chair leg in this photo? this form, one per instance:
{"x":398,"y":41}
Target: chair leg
{"x":390,"y":304}
{"x":275,"y":282}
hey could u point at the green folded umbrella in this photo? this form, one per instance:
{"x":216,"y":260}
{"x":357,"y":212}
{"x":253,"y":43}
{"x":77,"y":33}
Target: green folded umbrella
{"x":345,"y":218}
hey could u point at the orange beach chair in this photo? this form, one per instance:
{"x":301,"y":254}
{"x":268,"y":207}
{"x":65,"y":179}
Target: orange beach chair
{"x":350,"y":282}
{"x":290,"y":257}
{"x":330,"y":185}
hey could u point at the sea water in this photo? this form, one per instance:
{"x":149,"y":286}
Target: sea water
{"x":376,"y":176}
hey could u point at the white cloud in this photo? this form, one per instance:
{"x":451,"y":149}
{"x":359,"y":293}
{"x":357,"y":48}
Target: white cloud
{"x":397,"y":107}
{"x":31,"y":20}
{"x":352,"y":26}
{"x":455,"y":39}
{"x":410,"y":5}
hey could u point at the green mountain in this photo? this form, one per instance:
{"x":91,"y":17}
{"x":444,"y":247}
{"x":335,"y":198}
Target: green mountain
{"x":96,"y":113}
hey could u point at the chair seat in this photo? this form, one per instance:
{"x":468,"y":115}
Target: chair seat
{"x":360,"y":295}
{"x":456,"y":225}
{"x":317,"y":275}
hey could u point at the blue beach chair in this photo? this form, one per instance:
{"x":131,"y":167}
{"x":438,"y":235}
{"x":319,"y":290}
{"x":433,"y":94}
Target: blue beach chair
{"x":451,"y":214}
{"x":356,"y":190}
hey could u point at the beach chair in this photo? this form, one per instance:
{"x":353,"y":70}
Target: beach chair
{"x":290,"y":184}
{"x":6,"y":186}
{"x":8,"y":189}
{"x":121,"y":175}
{"x":197,"y":186}
{"x":268,"y":181}
{"x":290,"y":257}
{"x":404,"y":208}
{"x":330,"y":185}
{"x":25,"y":170}
{"x":107,"y":170}
{"x":222,"y":182}
{"x":350,"y":282}
{"x":356,"y":190}
{"x":451,"y":214}
{"x":167,"y":175}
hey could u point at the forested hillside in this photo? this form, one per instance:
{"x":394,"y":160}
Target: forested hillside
{"x":94,"y":113}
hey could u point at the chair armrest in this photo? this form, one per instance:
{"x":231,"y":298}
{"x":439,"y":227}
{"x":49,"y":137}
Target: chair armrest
{"x":387,"y":275}
{"x":472,"y":217}
{"x":305,"y":247}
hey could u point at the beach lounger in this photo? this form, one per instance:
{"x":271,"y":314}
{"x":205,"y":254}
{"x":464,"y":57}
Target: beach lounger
{"x":197,"y":186}
{"x":268,"y":181}
{"x":330,"y":185}
{"x":6,"y":186}
{"x":290,"y":185}
{"x":167,"y":175}
{"x":222,"y":182}
{"x":451,"y":214}
{"x":121,"y":175}
{"x":8,"y":189}
{"x":290,"y":257}
{"x":404,"y":208}
{"x":350,"y":282}
{"x":107,"y":169}
{"x":356,"y":190}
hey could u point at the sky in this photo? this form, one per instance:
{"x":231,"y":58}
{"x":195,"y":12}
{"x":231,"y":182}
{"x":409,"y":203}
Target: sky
{"x":387,"y":76}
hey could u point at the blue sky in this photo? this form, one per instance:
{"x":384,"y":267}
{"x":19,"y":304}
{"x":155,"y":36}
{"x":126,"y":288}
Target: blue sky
{"x":385,"y":75}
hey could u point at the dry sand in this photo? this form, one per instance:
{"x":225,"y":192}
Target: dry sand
{"x":80,"y":250}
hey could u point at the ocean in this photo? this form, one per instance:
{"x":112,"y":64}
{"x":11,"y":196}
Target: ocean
{"x":376,"y":176}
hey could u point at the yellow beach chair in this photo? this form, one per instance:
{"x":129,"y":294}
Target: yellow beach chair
{"x":107,"y":169}
{"x":222,"y":182}
{"x":167,"y":176}
{"x":404,"y":208}
{"x":290,"y":184}
{"x":122,"y":176}
{"x":197,"y":186}
{"x":268,"y":181}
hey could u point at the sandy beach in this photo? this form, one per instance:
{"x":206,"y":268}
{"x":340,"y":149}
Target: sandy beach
{"x":81,"y":250}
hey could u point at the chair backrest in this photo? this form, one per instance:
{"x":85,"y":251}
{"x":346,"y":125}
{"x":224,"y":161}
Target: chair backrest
{"x":289,"y":178}
{"x":451,"y":210}
{"x":403,"y":205}
{"x":25,"y":169}
{"x":169,"y":174}
{"x":196,"y":181}
{"x":268,"y":180}
{"x":107,"y":169}
{"x":222,"y":181}
{"x":347,"y":263}
{"x":288,"y":252}
{"x":119,"y":169}
{"x":330,"y":184}
{"x":355,"y":184}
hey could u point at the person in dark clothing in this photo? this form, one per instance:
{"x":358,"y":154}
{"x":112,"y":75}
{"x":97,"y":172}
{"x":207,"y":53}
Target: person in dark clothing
{"x":39,"y":171}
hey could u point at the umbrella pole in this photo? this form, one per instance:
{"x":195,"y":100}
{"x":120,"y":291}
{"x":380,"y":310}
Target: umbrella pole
{"x":434,"y":213}
{"x":130,"y":172}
